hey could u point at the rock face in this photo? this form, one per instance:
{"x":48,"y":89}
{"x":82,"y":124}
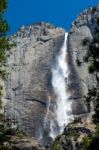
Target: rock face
{"x":28,"y":88}
{"x":73,"y":135}
{"x":83,"y":29}
{"x":20,"y":141}
{"x":25,"y":143}
{"x":28,"y":84}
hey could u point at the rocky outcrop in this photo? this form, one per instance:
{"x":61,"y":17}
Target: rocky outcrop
{"x":84,"y":28}
{"x":20,"y":141}
{"x":28,"y":85}
{"x":25,"y":143}
{"x":74,"y":134}
{"x":83,"y":31}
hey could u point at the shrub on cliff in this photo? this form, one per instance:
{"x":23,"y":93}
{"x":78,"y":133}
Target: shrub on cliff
{"x":97,"y":35}
{"x":91,"y":68}
{"x":4,"y":44}
{"x":97,"y":21}
{"x":91,"y":143}
{"x":86,"y":143}
{"x":92,"y":55}
{"x":56,"y":146}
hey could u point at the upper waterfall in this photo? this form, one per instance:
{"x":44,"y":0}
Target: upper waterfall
{"x":60,"y":74}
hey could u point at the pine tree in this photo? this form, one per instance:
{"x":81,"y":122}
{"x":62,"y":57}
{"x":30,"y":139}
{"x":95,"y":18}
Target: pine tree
{"x":4,"y":43}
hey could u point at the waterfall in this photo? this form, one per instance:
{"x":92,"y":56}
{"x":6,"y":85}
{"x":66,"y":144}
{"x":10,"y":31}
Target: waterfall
{"x":62,"y":110}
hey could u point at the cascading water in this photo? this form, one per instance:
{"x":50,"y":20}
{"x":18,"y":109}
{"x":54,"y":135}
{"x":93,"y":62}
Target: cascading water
{"x":60,"y":74}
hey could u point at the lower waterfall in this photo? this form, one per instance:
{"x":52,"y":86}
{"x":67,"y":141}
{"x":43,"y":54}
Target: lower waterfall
{"x":62,"y":110}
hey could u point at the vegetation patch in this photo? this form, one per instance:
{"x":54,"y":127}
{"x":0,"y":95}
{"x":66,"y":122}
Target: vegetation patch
{"x":91,"y":143}
{"x":85,"y":41}
{"x":56,"y":146}
{"x":97,"y":35}
{"x":91,"y":68}
{"x":72,"y":133}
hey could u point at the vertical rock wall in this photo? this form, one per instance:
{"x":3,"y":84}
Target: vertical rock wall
{"x":84,"y":28}
{"x":28,"y":84}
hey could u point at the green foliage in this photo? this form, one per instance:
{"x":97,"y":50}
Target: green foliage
{"x":13,"y":44}
{"x":97,"y":132}
{"x":94,"y":144}
{"x":5,"y":136}
{"x":86,"y":143}
{"x":93,"y":95}
{"x":72,"y":133}
{"x":96,"y":109}
{"x":91,"y":68}
{"x":97,"y":35}
{"x":3,"y":5}
{"x":93,"y":53}
{"x":2,"y":56}
{"x":4,"y":43}
{"x":3,"y":74}
{"x":56,"y":146}
{"x":91,"y":143}
{"x":5,"y":133}
{"x":58,"y":138}
{"x":3,"y":27}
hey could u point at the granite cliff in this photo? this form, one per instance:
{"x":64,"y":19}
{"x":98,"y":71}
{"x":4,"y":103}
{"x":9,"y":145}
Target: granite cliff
{"x":84,"y":29}
{"x":82,"y":35}
{"x":28,"y":86}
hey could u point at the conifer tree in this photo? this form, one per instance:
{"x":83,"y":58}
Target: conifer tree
{"x":4,"y":43}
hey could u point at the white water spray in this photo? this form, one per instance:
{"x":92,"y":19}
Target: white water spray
{"x":60,"y":74}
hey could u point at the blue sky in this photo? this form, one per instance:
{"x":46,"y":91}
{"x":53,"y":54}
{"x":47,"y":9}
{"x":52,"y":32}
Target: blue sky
{"x":58,"y":12}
